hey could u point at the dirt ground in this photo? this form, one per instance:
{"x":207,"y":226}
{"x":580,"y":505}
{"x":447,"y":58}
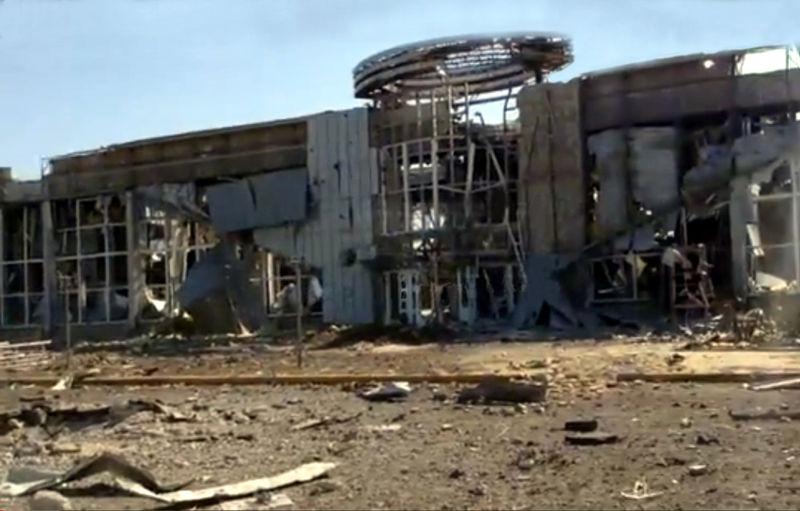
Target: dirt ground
{"x":430,"y":452}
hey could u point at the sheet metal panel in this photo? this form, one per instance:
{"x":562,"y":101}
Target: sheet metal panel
{"x":342,"y":176}
{"x":280,"y":197}
{"x":231,"y":206}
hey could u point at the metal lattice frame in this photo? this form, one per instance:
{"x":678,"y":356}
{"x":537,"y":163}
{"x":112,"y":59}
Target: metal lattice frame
{"x":484,"y":63}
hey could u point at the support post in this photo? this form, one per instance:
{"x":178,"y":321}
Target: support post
{"x":299,"y":295}
{"x":738,"y":213}
{"x":435,"y":161}
{"x":2,"y":270}
{"x":470,"y":173}
{"x":49,"y":268}
{"x":135,"y":274}
{"x":795,"y":223}
{"x":64,"y":285}
{"x":406,"y":192}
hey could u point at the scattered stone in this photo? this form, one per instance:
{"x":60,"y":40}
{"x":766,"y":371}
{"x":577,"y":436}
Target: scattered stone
{"x":47,"y":500}
{"x":447,"y":427}
{"x":504,"y":391}
{"x":201,"y":407}
{"x":325,"y":486}
{"x":698,"y":469}
{"x":581,"y":425}
{"x":477,"y":491}
{"x":706,"y":439}
{"x":63,"y":448}
{"x":686,"y":422}
{"x":526,"y":460}
{"x":392,"y":391}
{"x":311,"y":423}
{"x":456,"y":473}
{"x":235,"y":416}
{"x":535,"y":364}
{"x":671,"y":461}
{"x":675,"y":358}
{"x":29,"y":448}
{"x":381,"y":428}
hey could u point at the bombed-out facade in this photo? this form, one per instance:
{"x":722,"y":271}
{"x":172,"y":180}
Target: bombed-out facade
{"x":471,"y":191}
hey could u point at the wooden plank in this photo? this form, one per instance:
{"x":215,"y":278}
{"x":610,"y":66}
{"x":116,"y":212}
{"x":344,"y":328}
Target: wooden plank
{"x":21,"y":345}
{"x":17,"y":355}
{"x":722,"y":377}
{"x":764,"y":415}
{"x":259,"y":379}
{"x":791,"y":383}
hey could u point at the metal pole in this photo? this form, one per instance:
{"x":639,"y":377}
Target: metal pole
{"x":299,"y":296}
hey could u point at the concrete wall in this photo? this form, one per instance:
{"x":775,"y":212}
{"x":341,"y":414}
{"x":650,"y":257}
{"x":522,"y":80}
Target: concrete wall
{"x":552,"y":183}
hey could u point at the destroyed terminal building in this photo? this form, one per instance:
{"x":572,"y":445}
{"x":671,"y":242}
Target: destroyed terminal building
{"x":472,"y":191}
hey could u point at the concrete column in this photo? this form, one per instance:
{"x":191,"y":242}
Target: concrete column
{"x":50,"y":279}
{"x":740,"y":211}
{"x":136,"y":282}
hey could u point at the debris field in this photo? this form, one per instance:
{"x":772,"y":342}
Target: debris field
{"x":587,"y":441}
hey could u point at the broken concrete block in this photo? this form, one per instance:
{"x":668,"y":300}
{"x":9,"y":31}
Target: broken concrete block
{"x":504,"y":391}
{"x":581,"y":425}
{"x":596,"y":438}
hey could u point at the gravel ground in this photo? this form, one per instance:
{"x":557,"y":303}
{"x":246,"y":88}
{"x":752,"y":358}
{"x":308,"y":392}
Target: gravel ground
{"x":437,"y":454}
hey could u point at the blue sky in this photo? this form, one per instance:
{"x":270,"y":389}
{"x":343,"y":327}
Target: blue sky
{"x":78,"y":74}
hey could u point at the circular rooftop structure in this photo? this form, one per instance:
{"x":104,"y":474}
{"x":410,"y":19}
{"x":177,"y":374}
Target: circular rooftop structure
{"x":482,"y":62}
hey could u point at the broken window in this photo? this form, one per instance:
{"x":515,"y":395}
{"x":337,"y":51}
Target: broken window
{"x":22,"y":251}
{"x":91,"y":258}
{"x":276,"y":277}
{"x":773,"y":238}
{"x":170,"y":243}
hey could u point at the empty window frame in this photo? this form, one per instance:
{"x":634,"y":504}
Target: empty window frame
{"x":21,"y":252}
{"x":91,"y":255}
